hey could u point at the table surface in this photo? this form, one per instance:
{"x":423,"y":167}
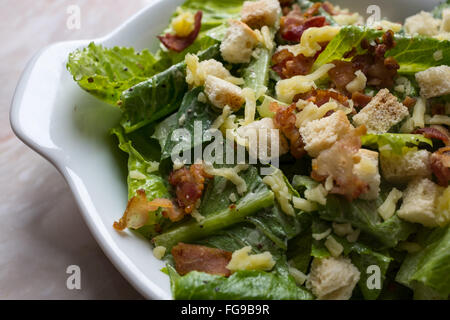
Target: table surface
{"x":41,"y":229}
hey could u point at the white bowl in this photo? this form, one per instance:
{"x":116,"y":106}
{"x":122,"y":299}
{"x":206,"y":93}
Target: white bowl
{"x":68,"y":127}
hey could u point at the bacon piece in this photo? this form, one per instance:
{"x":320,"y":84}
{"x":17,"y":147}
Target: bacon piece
{"x":360,"y":100}
{"x":313,"y":10}
{"x":177,"y":43}
{"x":287,"y":66}
{"x":190,"y":257}
{"x":440,"y":165}
{"x":138,"y":208}
{"x":293,"y":28}
{"x":189,"y":185}
{"x":437,"y":108}
{"x":175,"y":213}
{"x":285,"y":120}
{"x":342,"y":74}
{"x":338,"y":161}
{"x":329,"y":8}
{"x":409,"y":102}
{"x":439,"y":133}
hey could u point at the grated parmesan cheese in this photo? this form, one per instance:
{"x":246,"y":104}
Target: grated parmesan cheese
{"x":387,"y":209}
{"x":287,"y":89}
{"x":242,"y":260}
{"x":159,"y":252}
{"x":278,"y":185}
{"x":353,"y":237}
{"x":334,"y":246}
{"x":310,"y":111}
{"x":310,"y":42}
{"x":304,"y":205}
{"x":342,"y":229}
{"x":197,"y":216}
{"x":137,"y":175}
{"x":299,"y":277}
{"x":437,"y":119}
{"x":321,"y":236}
{"x":183,"y":24}
{"x":231,"y":174}
{"x":226,"y":112}
{"x":232,"y":197}
{"x":438,"y":55}
{"x":358,"y":84}
{"x":317,"y":194}
{"x":250,"y":105}
{"x":418,"y":116}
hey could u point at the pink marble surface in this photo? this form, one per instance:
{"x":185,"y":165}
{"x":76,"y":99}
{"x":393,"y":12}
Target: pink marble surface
{"x":41,"y":230}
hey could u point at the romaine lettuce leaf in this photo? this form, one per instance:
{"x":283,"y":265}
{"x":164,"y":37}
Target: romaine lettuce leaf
{"x":363,"y":215}
{"x":107,"y":72}
{"x":430,"y":267}
{"x":256,"y":74}
{"x":437,"y":12}
{"x":219,"y":211}
{"x":242,"y":285}
{"x":190,"y":112}
{"x":158,"y":96}
{"x":151,"y":182}
{"x":413,"y":53}
{"x":395,"y":142}
{"x":362,"y":257}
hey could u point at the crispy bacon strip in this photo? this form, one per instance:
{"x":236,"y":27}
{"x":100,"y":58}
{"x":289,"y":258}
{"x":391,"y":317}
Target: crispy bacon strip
{"x":177,"y":43}
{"x":338,"y":162}
{"x":189,"y":185}
{"x":189,"y":257}
{"x":287,"y":65}
{"x":360,"y":100}
{"x":440,"y":165}
{"x":435,"y":133}
{"x":409,"y":102}
{"x":380,"y":71}
{"x":285,"y":121}
{"x":320,"y":97}
{"x":136,"y":213}
{"x":293,"y":29}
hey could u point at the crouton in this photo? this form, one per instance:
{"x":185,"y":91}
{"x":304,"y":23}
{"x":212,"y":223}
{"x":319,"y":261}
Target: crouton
{"x":321,"y":134}
{"x":382,"y":112}
{"x":434,"y":82}
{"x":332,"y":278}
{"x":419,"y":202}
{"x":257,"y":14}
{"x":367,"y":171}
{"x":259,"y":128}
{"x":445,"y":25}
{"x":222,"y":93}
{"x":422,"y":23}
{"x":401,"y":169}
{"x":238,"y":44}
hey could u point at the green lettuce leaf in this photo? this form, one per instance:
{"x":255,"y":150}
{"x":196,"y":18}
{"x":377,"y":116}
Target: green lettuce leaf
{"x":256,"y":74}
{"x":158,"y":96}
{"x":363,"y":215}
{"x":437,"y":12}
{"x":152,"y":183}
{"x":242,"y":285}
{"x":395,"y":142}
{"x":190,"y":112}
{"x":427,"y":272}
{"x":413,"y":53}
{"x":362,"y":257}
{"x":107,"y":72}
{"x":219,"y":211}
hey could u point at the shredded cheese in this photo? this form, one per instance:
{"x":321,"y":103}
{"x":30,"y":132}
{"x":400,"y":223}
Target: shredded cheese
{"x":310,"y":42}
{"x":321,"y":236}
{"x":159,"y":252}
{"x":342,"y":229}
{"x":278,"y":185}
{"x":443,"y":208}
{"x":317,"y":194}
{"x":387,"y":209}
{"x":287,"y":89}
{"x":299,"y":277}
{"x":183,"y":24}
{"x":220,"y":120}
{"x":304,"y":205}
{"x":418,"y":116}
{"x":310,"y":111}
{"x":334,"y":247}
{"x":358,"y":84}
{"x":437,"y":119}
{"x":250,"y":105}
{"x":136,"y":175}
{"x":231,"y":174}
{"x":197,"y":216}
{"x":242,"y":260}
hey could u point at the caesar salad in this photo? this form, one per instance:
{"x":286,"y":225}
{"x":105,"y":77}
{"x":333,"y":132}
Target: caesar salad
{"x":286,"y":149}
